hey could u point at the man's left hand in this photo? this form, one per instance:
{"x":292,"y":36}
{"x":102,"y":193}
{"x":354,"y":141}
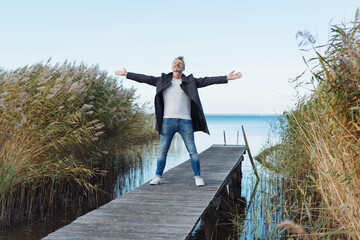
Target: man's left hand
{"x":233,"y":75}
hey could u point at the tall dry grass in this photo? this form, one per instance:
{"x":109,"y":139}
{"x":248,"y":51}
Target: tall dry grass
{"x":61,"y":127}
{"x":320,"y":150}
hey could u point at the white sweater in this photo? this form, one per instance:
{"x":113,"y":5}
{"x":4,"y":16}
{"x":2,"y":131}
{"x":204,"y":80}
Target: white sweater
{"x":177,"y":103}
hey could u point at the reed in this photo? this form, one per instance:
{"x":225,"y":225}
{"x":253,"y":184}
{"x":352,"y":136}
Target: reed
{"x":320,"y":148}
{"x":61,"y":127}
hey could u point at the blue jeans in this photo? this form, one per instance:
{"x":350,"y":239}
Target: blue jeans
{"x":185,"y":128}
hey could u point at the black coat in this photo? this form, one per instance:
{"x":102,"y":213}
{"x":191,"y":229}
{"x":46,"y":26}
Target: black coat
{"x":189,"y":85}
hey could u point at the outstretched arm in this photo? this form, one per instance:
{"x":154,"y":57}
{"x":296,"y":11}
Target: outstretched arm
{"x":206,"y":81}
{"x":233,"y":75}
{"x":138,"y":77}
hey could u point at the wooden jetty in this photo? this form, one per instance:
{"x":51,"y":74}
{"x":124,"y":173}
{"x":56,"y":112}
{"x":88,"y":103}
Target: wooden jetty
{"x":168,"y":211}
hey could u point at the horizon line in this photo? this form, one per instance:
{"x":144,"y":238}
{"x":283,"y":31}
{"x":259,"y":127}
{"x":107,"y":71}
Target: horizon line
{"x":242,"y":114}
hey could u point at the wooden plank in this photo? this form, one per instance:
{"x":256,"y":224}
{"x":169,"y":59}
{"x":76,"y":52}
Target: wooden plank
{"x":167,"y":211}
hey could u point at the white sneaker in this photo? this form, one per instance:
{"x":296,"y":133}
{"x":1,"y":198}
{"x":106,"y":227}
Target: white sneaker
{"x":156,"y":180}
{"x":199,"y":181}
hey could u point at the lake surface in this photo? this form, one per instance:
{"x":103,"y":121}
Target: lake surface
{"x":257,"y":130}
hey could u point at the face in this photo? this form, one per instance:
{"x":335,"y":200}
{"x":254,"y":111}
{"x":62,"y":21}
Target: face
{"x":178,"y":66}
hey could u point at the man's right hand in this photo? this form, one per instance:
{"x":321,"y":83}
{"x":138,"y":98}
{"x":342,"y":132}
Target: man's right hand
{"x":121,"y":72}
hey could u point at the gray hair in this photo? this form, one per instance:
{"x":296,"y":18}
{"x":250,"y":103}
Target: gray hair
{"x":180,"y":58}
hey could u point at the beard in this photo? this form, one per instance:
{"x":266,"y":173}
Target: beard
{"x":178,"y":69}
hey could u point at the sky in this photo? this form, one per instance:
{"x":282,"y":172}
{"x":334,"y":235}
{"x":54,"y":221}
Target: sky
{"x":256,"y":38}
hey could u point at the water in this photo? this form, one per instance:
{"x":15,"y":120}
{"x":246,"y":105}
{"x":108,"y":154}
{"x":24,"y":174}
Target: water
{"x":257,"y":130}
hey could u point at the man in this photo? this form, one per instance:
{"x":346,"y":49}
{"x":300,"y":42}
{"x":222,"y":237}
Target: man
{"x":178,"y":109}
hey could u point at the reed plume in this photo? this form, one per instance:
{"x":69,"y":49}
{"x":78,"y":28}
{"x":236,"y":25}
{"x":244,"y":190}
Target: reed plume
{"x":55,"y":123}
{"x":293,"y":228}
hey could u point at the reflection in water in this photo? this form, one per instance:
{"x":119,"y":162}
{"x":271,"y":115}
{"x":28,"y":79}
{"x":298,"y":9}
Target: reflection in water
{"x":264,"y":209}
{"x":217,"y":221}
{"x":249,"y":208}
